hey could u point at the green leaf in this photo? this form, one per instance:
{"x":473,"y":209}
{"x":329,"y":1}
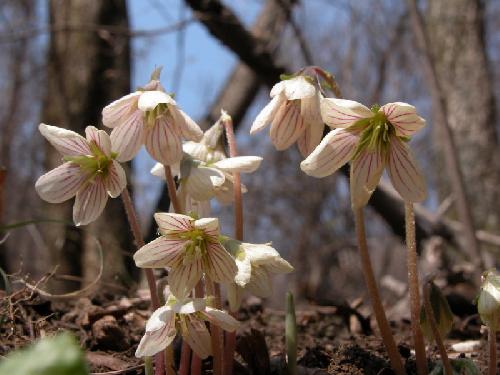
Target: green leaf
{"x":58,"y":355}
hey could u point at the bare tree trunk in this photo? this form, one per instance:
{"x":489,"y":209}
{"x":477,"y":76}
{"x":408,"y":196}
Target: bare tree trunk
{"x":458,"y":47}
{"x":86,"y":71}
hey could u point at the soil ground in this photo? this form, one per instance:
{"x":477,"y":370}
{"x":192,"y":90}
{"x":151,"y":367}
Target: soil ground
{"x":331,"y":340}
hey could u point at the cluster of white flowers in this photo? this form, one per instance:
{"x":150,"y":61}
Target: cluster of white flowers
{"x":190,"y":247}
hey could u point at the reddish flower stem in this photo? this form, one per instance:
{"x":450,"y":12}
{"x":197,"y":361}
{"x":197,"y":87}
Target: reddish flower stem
{"x":172,"y":192}
{"x":139,"y":242}
{"x":413,"y":286}
{"x":378,"y":308}
{"x":185,"y":359}
{"x":195,"y":360}
{"x":215,"y":331}
{"x":238,"y":233}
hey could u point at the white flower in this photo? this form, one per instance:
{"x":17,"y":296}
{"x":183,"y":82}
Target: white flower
{"x":488,"y":304}
{"x":149,"y":116}
{"x":256,"y":264}
{"x":206,"y":173}
{"x":190,"y":248}
{"x":188,"y":317}
{"x":90,"y":172}
{"x":294,"y":115}
{"x":372,"y":139}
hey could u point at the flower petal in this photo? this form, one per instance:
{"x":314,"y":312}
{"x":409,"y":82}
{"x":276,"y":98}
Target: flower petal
{"x":118,"y":112}
{"x":405,"y":174}
{"x":186,"y":125}
{"x":163,"y":142}
{"x":156,"y":341}
{"x":336,"y":149}
{"x":149,"y":100}
{"x":287,"y":125}
{"x":244,"y":273}
{"x":66,"y":142}
{"x":159,"y":253}
{"x":189,"y":306}
{"x":297,"y":88}
{"x":366,"y":171}
{"x":220,"y":266}
{"x":404,"y":118}
{"x":244,"y":164}
{"x":198,"y":338}
{"x":267,"y":114}
{"x":341,"y":113}
{"x":260,"y":284}
{"x":201,"y":183}
{"x":311,"y":113}
{"x":116,"y":180}
{"x":158,"y":170}
{"x":61,"y":183}
{"x":266,"y":256}
{"x":160,"y":318}
{"x":173,"y":223}
{"x":127,"y":139}
{"x":221,"y":319}
{"x":183,"y":278}
{"x":234,"y":296}
{"x":90,"y":202}
{"x":210,"y":225}
{"x":100,"y":137}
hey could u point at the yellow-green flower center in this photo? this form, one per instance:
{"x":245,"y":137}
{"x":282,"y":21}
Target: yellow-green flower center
{"x":96,"y":164}
{"x":376,"y":133}
{"x":196,"y":247}
{"x":150,"y":116}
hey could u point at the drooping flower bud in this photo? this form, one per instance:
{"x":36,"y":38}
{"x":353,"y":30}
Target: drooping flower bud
{"x":488,"y":304}
{"x":442,"y":314}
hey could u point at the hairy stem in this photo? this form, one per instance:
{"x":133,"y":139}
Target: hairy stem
{"x":378,"y":309}
{"x":492,"y":341}
{"x":139,"y":242}
{"x":172,"y":192}
{"x":238,"y":232}
{"x":413,"y":286}
{"x":435,"y":331}
{"x":215,"y":331}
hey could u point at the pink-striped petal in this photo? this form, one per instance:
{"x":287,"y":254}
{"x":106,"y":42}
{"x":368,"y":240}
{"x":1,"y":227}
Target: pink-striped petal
{"x":198,"y":337}
{"x":203,"y":181}
{"x":170,"y":223}
{"x":66,"y":142}
{"x":119,"y":111}
{"x":404,"y":118}
{"x":336,"y":149}
{"x":234,"y":296}
{"x":210,"y":225}
{"x":294,"y":88}
{"x":242,"y":164}
{"x":159,"y":253}
{"x":287,"y":125}
{"x":61,"y":183}
{"x":116,"y":180}
{"x":127,"y":139}
{"x":221,"y":319}
{"x":366,"y":171}
{"x":404,"y":172}
{"x":260,"y":283}
{"x":182,"y":278}
{"x":341,"y":113}
{"x":100,"y":138}
{"x":149,"y":100}
{"x":310,"y":111}
{"x":189,"y":306}
{"x":163,"y":141}
{"x":267,"y":114}
{"x":160,"y":332}
{"x":220,"y":266}
{"x":186,"y":125}
{"x":90,"y":202}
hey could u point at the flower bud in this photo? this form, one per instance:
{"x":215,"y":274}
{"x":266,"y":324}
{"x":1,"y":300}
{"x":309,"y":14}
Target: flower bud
{"x":488,"y":304}
{"x":442,"y":314}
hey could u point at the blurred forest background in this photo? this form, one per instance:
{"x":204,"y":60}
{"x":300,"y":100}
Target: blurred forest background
{"x":62,"y":61}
